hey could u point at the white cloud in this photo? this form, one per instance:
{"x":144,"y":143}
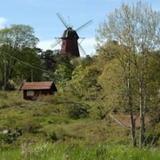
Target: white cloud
{"x":3,"y":22}
{"x":88,"y":45}
{"x":47,"y":44}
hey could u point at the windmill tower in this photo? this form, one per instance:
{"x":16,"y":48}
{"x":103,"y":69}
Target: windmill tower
{"x":70,"y":45}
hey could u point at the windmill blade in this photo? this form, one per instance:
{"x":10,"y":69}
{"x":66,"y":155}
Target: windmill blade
{"x":82,"y":49}
{"x":81,"y":39}
{"x":84,"y":25}
{"x":58,"y":41}
{"x":62,"y":20}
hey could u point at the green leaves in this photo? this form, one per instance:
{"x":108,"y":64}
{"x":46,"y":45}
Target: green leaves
{"x":18,"y":36}
{"x":17,"y":45}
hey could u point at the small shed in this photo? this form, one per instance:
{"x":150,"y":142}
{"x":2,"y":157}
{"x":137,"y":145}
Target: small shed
{"x":32,"y":90}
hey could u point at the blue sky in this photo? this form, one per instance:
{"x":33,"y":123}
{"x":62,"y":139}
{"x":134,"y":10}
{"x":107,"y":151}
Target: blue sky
{"x":41,"y":15}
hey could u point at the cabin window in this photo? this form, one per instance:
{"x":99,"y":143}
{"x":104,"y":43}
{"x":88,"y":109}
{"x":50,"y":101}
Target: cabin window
{"x":30,"y":93}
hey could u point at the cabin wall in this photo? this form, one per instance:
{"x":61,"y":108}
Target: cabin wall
{"x":37,"y":93}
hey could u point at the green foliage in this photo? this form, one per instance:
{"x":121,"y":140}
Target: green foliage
{"x":84,"y":82}
{"x":52,"y":137}
{"x":129,"y":28}
{"x":112,"y":84}
{"x":10,"y":85}
{"x":31,"y":126}
{"x":10,"y":136}
{"x":128,"y":23}
{"x":63,"y":72}
{"x":17,"y":43}
{"x":18,"y":36}
{"x":23,"y":70}
{"x":77,"y":111}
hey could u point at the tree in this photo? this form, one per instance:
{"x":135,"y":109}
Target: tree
{"x":28,"y":67}
{"x":49,"y":60}
{"x":137,"y":28}
{"x":153,"y":76}
{"x":13,"y":40}
{"x":18,"y":36}
{"x":84,"y":82}
{"x":64,"y":69}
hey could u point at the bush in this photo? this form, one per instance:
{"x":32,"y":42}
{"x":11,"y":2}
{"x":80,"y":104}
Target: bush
{"x":77,"y":111}
{"x":32,"y":127}
{"x":52,"y":137}
{"x":10,"y":85}
{"x":9,"y":136}
{"x":152,"y":139}
{"x":59,"y":134}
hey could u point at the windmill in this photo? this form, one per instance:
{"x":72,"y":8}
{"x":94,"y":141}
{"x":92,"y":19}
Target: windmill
{"x":70,"y":45}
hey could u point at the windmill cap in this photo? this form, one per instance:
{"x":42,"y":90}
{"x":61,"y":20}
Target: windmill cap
{"x":70,"y":33}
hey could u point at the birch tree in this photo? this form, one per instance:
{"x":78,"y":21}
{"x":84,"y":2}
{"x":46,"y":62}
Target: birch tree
{"x":137,"y":28}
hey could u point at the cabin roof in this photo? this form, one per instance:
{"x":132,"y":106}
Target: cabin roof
{"x":36,"y":85}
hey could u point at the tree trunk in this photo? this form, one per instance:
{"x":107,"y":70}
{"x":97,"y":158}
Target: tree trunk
{"x":133,"y":129}
{"x":4,"y":76}
{"x":130,"y":104}
{"x":142,"y":103}
{"x":142,"y":123}
{"x":143,"y":97}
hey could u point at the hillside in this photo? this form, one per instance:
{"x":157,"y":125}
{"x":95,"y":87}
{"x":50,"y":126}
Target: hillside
{"x":71,"y":128}
{"x":54,"y":119}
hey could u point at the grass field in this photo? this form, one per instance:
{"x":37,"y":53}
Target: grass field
{"x":78,"y":152}
{"x":56,"y":128}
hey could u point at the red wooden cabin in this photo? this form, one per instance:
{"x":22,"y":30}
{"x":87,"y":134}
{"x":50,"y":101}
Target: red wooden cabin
{"x":32,"y":90}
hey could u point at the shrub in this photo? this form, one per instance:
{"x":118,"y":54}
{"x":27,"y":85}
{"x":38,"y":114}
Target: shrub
{"x":77,"y":111}
{"x":10,"y":85}
{"x":9,"y":136}
{"x":59,"y":134}
{"x":32,"y":127}
{"x":52,"y":137}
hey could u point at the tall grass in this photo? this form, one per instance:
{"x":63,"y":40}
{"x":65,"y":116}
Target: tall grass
{"x":78,"y":152}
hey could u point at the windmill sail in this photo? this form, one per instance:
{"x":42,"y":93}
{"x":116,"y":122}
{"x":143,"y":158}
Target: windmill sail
{"x":70,"y":45}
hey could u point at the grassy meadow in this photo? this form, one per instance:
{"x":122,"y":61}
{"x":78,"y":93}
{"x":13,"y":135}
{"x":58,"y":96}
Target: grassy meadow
{"x":79,"y":152}
{"x":54,"y":128}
